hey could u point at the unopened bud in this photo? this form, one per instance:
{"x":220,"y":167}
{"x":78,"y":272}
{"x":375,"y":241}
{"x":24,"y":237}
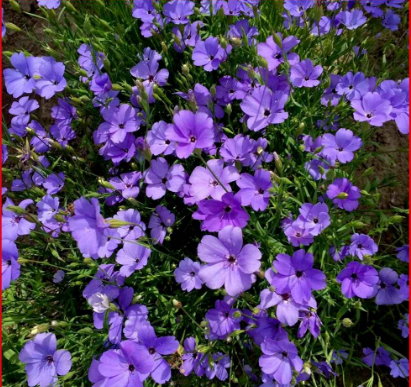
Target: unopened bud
{"x":262,"y":62}
{"x":59,"y":324}
{"x":396,"y":219}
{"x":223,"y":42}
{"x":357,"y":224}
{"x":229,"y":339}
{"x":117,"y":87}
{"x":117,"y":223}
{"x":17,"y":210}
{"x":256,"y":311}
{"x":278,"y":163}
{"x":68,"y":4}
{"x":164,"y":47}
{"x":342,"y":195}
{"x":271,"y":289}
{"x":277,"y":40}
{"x":237,"y":314}
{"x":136,"y":298}
{"x":40,"y":329}
{"x":15,"y":6}
{"x":307,"y":368}
{"x":212,"y":90}
{"x":236,"y":42}
{"x":177,"y":304}
{"x":13,"y":27}
{"x":185,"y":69}
{"x":88,"y":261}
{"x":347,"y":323}
{"x":229,"y":109}
{"x":105,"y":184}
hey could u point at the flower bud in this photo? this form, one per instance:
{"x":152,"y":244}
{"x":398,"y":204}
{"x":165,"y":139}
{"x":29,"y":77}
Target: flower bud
{"x":237,"y":314}
{"x":307,"y":368}
{"x":117,"y":223}
{"x":342,"y":195}
{"x":229,"y":339}
{"x":212,"y":90}
{"x":164,"y":47}
{"x":347,"y":323}
{"x":117,"y":87}
{"x":262,"y":62}
{"x":236,"y":42}
{"x":223,"y":42}
{"x":357,"y":224}
{"x":271,"y":289}
{"x":112,"y":307}
{"x":256,"y":311}
{"x":185,"y":69}
{"x":69,"y":6}
{"x":40,"y":329}
{"x":277,"y":40}
{"x":136,"y":298}
{"x":60,"y":218}
{"x":59,"y":324}
{"x":17,"y":210}
{"x":177,"y":304}
{"x":15,"y":6}
{"x":229,"y":109}
{"x":88,"y":261}
{"x":105,"y":184}
{"x":204,"y":324}
{"x":396,"y":219}
{"x":13,"y":27}
{"x":278,"y":163}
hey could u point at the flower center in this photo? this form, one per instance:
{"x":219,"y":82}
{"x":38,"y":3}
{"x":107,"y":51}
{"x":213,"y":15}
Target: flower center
{"x":284,"y":353}
{"x":227,"y":209}
{"x":49,"y":359}
{"x":383,"y":285}
{"x":354,"y":276}
{"x":152,"y":351}
{"x":360,"y":246}
{"x":297,"y":234}
{"x":151,"y":78}
{"x":278,"y":56}
{"x":340,"y":149}
{"x":164,"y":181}
{"x":227,"y":315}
{"x":231,"y":259}
{"x":131,"y":368}
{"x":350,"y":87}
{"x":121,"y":126}
{"x":27,"y":77}
{"x":266,"y":112}
{"x":167,"y":142}
{"x":192,"y":274}
{"x":214,"y":183}
{"x":315,"y":220}
{"x":211,"y":57}
{"x":285,"y":296}
{"x":192,"y":139}
{"x":55,"y":83}
{"x":298,"y":274}
{"x":369,"y":115}
{"x":260,"y":191}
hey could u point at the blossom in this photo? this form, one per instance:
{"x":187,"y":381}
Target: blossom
{"x":304,"y":74}
{"x":217,"y":214}
{"x":274,"y":54}
{"x":311,"y":321}
{"x":144,"y":10}
{"x":331,"y":95}
{"x":191,"y":131}
{"x":177,"y":11}
{"x":190,"y":36}
{"x":10,"y":268}
{"x":229,"y":90}
{"x":50,"y":4}
{"x":314,"y":218}
{"x":209,"y":54}
{"x":297,"y":235}
{"x":279,"y":358}
{"x":295,"y":275}
{"x":133,"y":256}
{"x":54,"y":183}
{"x":339,"y":255}
{"x":352,"y":86}
{"x":372,"y":108}
{"x":400,"y":368}
{"x":127,"y":184}
{"x":403,"y":325}
{"x":387,"y":293}
{"x":90,"y":61}
{"x":43,"y":361}
{"x":192,"y":359}
{"x":242,"y":28}
{"x":358,"y":280}
{"x":219,"y":368}
{"x":344,"y":194}
{"x":58,"y":276}
{"x":13,"y":224}
{"x":160,"y":178}
{"x":403,"y":253}
{"x":378,"y":357}
{"x":3,"y":24}
{"x":157,"y":347}
{"x":187,"y":275}
{"x":159,"y":222}
{"x":228,"y":263}
{"x":361,"y":245}
{"x":352,"y":20}
{"x":52,"y":78}
{"x":341,"y":146}
{"x":236,"y":149}
{"x":21,"y":109}
{"x":212,"y":181}
{"x":264,"y":108}
{"x":223,"y":320}
{"x":322,"y":27}
{"x":20,"y":80}
{"x":391,"y":20}
{"x":118,"y":122}
{"x":254,"y":191}
{"x":100,"y":302}
{"x":157,"y":140}
{"x":129,"y":365}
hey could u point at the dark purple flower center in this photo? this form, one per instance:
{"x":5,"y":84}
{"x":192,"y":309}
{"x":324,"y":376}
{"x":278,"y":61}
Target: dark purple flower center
{"x":167,"y":142}
{"x":227,"y":209}
{"x":151,"y":78}
{"x":260,"y":191}
{"x":297,"y":234}
{"x":121,"y":126}
{"x":278,"y":56}
{"x":350,"y":87}
{"x":298,"y":274}
{"x":192,"y":139}
{"x":227,"y":315}
{"x":27,"y":76}
{"x":354,"y":276}
{"x":315,"y":220}
{"x":360,"y":246}
{"x":152,"y":351}
{"x":131,"y":368}
{"x":340,"y":149}
{"x":55,"y":83}
{"x":231,"y":259}
{"x":214,"y":183}
{"x":286,"y":296}
{"x":306,"y":78}
{"x":267,"y":112}
{"x":193,"y":274}
{"x":369,"y":115}
{"x":164,"y":181}
{"x":49,"y":359}
{"x":149,"y":12}
{"x":8,"y":263}
{"x":333,"y":91}
{"x":383,"y":285}
{"x":284,"y":353}
{"x":128,"y":185}
{"x":194,"y":355}
{"x":231,"y":91}
{"x":211,"y":57}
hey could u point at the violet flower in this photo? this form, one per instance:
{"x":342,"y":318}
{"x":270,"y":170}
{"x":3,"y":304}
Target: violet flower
{"x":313,"y":218}
{"x":157,"y":140}
{"x":254,"y":191}
{"x":52,"y":78}
{"x":54,"y":183}
{"x":50,"y":4}
{"x":351,"y":20}
{"x":311,"y":321}
{"x":223,"y":320}
{"x":361,"y":245}
{"x":187,"y":275}
{"x":10,"y":267}
{"x":133,"y":256}
{"x":209,"y":54}
{"x":400,"y":368}
{"x":341,"y":146}
{"x":14,"y":225}
{"x":344,"y":194}
{"x":379,"y":357}
{"x":304,"y":74}
{"x":159,"y":222}
{"x":386,"y":292}
{"x":403,"y":253}
{"x":372,"y":108}
{"x":228,"y":263}
{"x":192,"y":359}
{"x":358,"y":280}
{"x":127,"y":184}
{"x":177,"y":11}
{"x":403,"y":325}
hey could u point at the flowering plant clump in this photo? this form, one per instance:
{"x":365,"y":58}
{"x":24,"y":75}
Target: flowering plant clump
{"x":189,"y":197}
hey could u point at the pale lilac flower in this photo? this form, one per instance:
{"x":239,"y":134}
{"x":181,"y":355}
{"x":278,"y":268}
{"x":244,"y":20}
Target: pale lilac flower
{"x":187,"y":275}
{"x":341,"y":146}
{"x":157,"y":139}
{"x":159,"y":222}
{"x":254,"y":190}
{"x":361,"y":245}
{"x":304,"y":74}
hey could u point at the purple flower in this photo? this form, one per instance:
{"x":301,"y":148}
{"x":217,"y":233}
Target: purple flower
{"x":254,"y":191}
{"x":264,"y":108}
{"x":125,"y":150}
{"x":160,"y":178}
{"x":47,"y":208}
{"x":297,"y":235}
{"x":324,"y":368}
{"x":54,"y":183}
{"x":12,"y":224}
{"x":404,"y":284}
{"x":22,"y":110}
{"x":187,"y":275}
{"x":339,"y":255}
{"x":63,"y":134}
{"x":379,"y":357}
{"x":237,"y":149}
{"x":242,"y":28}
{"x":43,"y":361}
{"x":295,"y":275}
{"x":372,"y":108}
{"x":189,"y":37}
{"x":403,"y":325}
{"x":157,"y":347}
{"x":118,"y":122}
{"x":314,"y":218}
{"x":217,"y":214}
{"x":177,"y":11}
{"x":192,"y":359}
{"x":322,"y":27}
{"x":230,"y":90}
{"x":207,"y":5}
{"x":223,"y":320}
{"x":274,"y":54}
{"x":358,"y":280}
{"x":298,"y":7}
{"x":58,"y":276}
{"x":52,"y":78}
{"x":10,"y":268}
{"x":352,"y":86}
{"x":228,"y":263}
{"x":313,"y":168}
{"x":387,"y":293}
{"x":403,"y":253}
{"x":101,"y":85}
{"x":400,"y":368}
{"x":278,"y":360}
{"x":40,"y":140}
{"x":351,"y":20}
{"x":50,"y":4}
{"x":331,"y":95}
{"x":344,"y":194}
{"x":133,"y":256}
{"x":144,"y":10}
{"x":157,"y":140}
{"x":3,"y":24}
{"x":159,"y":222}
{"x":391,"y":20}
{"x":361,"y":245}
{"x":311,"y":321}
{"x":219,"y":368}
{"x":21,"y":80}
{"x":205,"y":182}
{"x":304,"y":74}
{"x":191,"y":131}
{"x":208,"y":54}
{"x":90,"y":61}
{"x":341,"y":146}
{"x":127,"y":184}
{"x":129,"y":365}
